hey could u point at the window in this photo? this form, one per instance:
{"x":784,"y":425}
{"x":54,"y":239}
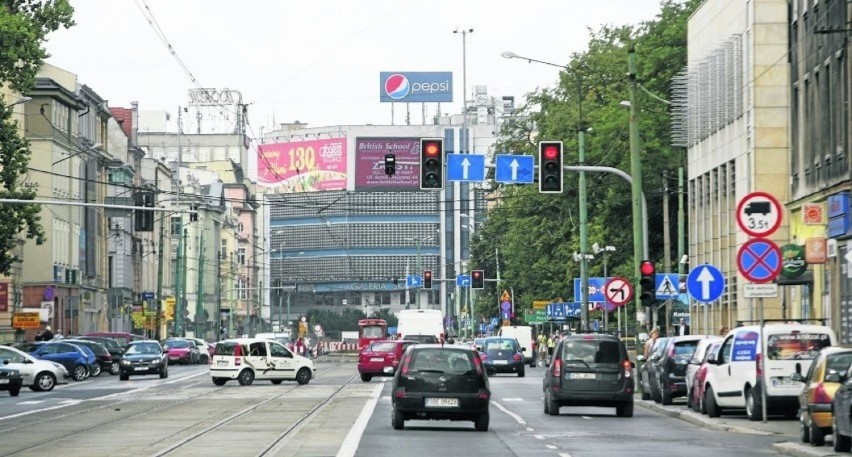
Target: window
{"x":175,"y":229}
{"x":278,"y":350}
{"x":242,"y":292}
{"x":241,"y":256}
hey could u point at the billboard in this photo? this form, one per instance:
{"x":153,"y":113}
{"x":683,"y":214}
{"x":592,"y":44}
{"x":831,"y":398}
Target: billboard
{"x":370,"y":164}
{"x":303,"y":166}
{"x":416,"y":86}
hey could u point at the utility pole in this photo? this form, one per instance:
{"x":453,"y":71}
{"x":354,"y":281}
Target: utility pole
{"x":199,"y":305}
{"x":160,"y":279}
{"x":667,"y":242}
{"x":635,"y":172}
{"x":680,"y":234}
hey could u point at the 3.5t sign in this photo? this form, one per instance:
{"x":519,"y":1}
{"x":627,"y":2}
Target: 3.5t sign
{"x":759,"y":214}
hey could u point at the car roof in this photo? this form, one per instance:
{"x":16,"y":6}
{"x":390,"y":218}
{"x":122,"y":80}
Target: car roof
{"x":592,"y":336}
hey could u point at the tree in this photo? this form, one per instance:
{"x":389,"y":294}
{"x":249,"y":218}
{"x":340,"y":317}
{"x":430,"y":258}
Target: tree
{"x":24,"y":26}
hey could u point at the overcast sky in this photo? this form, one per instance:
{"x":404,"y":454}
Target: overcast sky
{"x":318,"y":61}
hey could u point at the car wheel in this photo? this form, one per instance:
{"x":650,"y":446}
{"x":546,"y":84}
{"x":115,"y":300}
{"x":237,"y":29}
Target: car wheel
{"x":645,"y":394}
{"x":246,"y":377}
{"x":655,"y":392}
{"x":205,"y":359}
{"x":842,"y":443}
{"x":624,"y":409}
{"x":96,"y":371}
{"x":522,"y":372}
{"x":366,"y":377}
{"x":689,"y":403}
{"x":481,"y":422}
{"x":806,"y":432}
{"x":397,"y":421}
{"x":123,"y":377}
{"x":79,"y":373}
{"x":44,"y":382}
{"x":219,"y":381}
{"x":817,"y":435}
{"x":164,"y":371}
{"x":14,"y":391}
{"x":552,"y":406}
{"x":114,"y":369}
{"x":546,"y":405}
{"x":713,"y":410}
{"x":702,"y":407}
{"x":754,"y":409}
{"x":303,"y":376}
{"x":665,"y":394}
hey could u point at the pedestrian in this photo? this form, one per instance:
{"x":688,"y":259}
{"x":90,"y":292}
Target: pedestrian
{"x":58,"y":335}
{"x":683,"y":329}
{"x":551,"y":343}
{"x":300,"y":346}
{"x":47,"y":334}
{"x":649,"y":343}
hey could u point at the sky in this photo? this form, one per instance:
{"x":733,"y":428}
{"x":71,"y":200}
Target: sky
{"x":318,"y":61}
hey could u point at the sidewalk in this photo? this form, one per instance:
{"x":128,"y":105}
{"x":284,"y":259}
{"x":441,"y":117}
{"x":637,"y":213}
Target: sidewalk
{"x":787,"y":430}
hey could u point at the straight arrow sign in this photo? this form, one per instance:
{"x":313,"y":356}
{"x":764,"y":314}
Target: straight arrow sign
{"x":465,"y":168}
{"x":514,"y":165}
{"x":705,"y":278}
{"x":705,"y":283}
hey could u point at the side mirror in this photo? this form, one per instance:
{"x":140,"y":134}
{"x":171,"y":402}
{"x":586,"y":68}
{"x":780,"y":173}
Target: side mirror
{"x":799,"y":378}
{"x":640,"y":357}
{"x":523,"y":349}
{"x":655,"y":357}
{"x":832,"y":376}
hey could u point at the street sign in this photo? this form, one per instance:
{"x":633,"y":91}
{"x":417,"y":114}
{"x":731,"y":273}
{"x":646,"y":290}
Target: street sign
{"x":540,"y":304}
{"x":534,"y":316}
{"x":555,"y":311}
{"x":572,"y":309}
{"x":596,"y":288}
{"x":666,"y":285}
{"x":413,"y":281}
{"x":760,"y":290}
{"x":465,"y":167}
{"x":514,"y":169}
{"x":463,"y":280}
{"x":618,"y":291}
{"x":759,"y":260}
{"x":26,"y":320}
{"x":705,"y":283}
{"x":759,"y":214}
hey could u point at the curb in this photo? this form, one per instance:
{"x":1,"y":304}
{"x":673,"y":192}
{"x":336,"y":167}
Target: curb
{"x":800,"y":450}
{"x":698,"y":419}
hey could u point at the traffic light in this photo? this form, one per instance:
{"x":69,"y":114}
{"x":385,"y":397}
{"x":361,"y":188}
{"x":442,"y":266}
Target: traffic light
{"x":647,"y":283}
{"x":390,"y":164}
{"x":431,"y":164}
{"x":427,"y":279}
{"x":550,"y":167}
{"x":143,"y":220}
{"x":477,"y":279}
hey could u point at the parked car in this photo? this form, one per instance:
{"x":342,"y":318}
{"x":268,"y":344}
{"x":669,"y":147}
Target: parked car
{"x":589,"y":370}
{"x":102,"y":357}
{"x":123,"y":338}
{"x":668,"y":367}
{"x":696,"y":392}
{"x":821,"y":382}
{"x":143,"y":357}
{"x":181,"y":350}
{"x":38,"y":375}
{"x":694,"y":365}
{"x":734,"y":378}
{"x":440,"y":382}
{"x":247,"y":359}
{"x":841,"y":407}
{"x":11,"y":380}
{"x":502,"y":355}
{"x":381,"y":358}
{"x":112,"y":346}
{"x":649,"y":388}
{"x":205,"y":349}
{"x":78,"y":360}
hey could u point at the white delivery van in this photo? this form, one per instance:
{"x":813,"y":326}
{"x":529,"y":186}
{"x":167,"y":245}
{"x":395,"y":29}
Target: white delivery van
{"x":734,"y":379}
{"x":522,"y":333}
{"x":423,"y":325}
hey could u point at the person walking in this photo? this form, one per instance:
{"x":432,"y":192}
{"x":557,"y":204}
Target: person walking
{"x":649,"y":343}
{"x":47,"y":334}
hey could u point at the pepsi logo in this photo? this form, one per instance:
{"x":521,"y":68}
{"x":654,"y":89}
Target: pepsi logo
{"x":397,"y":86}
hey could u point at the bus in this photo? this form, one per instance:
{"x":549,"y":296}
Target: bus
{"x":370,"y":330}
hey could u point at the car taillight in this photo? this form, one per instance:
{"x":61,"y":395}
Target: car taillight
{"x":238,"y":361}
{"x":477,"y":364}
{"x":516,"y":357}
{"x":557,"y":368}
{"x":483,"y":395}
{"x":405,"y":362}
{"x":628,"y":368}
{"x":820,"y":395}
{"x":109,"y":357}
{"x":758,"y":366}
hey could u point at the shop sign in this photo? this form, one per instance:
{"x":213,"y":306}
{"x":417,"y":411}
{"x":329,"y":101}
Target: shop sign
{"x":793,"y":260}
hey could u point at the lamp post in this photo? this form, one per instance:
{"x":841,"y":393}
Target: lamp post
{"x":464,"y":33}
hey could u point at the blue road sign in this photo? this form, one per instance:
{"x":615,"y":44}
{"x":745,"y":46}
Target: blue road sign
{"x":666,"y":286}
{"x":466,"y":167}
{"x":705,"y":283}
{"x":759,"y":260}
{"x":414,"y":281}
{"x":596,"y":290}
{"x":572,"y":309}
{"x":511,"y":168}
{"x":463,"y":280}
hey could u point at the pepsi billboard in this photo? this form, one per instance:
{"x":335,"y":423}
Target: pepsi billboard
{"x":416,"y":86}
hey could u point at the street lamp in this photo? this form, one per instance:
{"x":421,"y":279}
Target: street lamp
{"x":464,"y":33}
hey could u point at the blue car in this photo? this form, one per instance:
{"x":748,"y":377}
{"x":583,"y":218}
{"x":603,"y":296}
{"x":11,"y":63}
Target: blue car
{"x":78,"y":360}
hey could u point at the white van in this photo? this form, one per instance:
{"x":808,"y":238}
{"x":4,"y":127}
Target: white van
{"x":522,"y":333}
{"x":423,"y":325}
{"x":250,"y":359}
{"x":734,"y":380}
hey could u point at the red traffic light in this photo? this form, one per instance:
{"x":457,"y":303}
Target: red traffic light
{"x":550,"y":152}
{"x":646,"y":268}
{"x":431,"y":149}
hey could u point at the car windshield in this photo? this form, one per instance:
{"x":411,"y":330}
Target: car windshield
{"x":501,"y":345}
{"x":176,"y":344}
{"x":382,"y":347}
{"x":142,"y":349}
{"x":591,"y":352}
{"x":441,"y":360}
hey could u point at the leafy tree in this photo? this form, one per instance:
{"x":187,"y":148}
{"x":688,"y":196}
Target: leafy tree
{"x":24,"y":26}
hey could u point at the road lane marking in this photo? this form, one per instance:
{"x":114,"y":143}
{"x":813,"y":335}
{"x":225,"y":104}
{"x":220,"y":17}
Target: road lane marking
{"x":564,"y":454}
{"x":513,"y":399}
{"x":586,"y":417}
{"x":520,"y":420}
{"x":539,"y":437}
{"x":550,"y":446}
{"x":30,"y":402}
{"x":353,"y":438}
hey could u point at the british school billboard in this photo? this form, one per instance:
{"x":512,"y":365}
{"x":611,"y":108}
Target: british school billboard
{"x":416,"y":86}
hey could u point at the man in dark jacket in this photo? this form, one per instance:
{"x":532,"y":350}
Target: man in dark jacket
{"x":47,"y":335}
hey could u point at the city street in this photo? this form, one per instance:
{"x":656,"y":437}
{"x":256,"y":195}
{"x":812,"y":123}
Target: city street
{"x":337,"y":414}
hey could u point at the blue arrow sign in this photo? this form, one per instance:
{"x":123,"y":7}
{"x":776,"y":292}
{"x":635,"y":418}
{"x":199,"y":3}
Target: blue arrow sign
{"x":511,"y":168}
{"x":465,"y":167}
{"x":572,"y":309}
{"x":666,"y":286}
{"x":414,"y":281}
{"x":596,"y":290}
{"x":705,"y":283}
{"x":463,"y":280}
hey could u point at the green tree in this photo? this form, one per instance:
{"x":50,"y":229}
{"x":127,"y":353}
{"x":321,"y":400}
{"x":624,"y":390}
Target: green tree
{"x":24,"y":26}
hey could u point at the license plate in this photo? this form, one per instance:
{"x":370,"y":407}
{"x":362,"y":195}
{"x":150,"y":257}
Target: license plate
{"x":222,"y":363}
{"x":442,"y":402}
{"x":377,"y":359}
{"x":141,"y":368}
{"x":581,"y":376}
{"x":786,"y":382}
{"x":500,"y":362}
{"x":4,"y":381}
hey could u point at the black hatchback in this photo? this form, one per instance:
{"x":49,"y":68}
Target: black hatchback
{"x":589,"y":370}
{"x":143,"y":357}
{"x":437,"y":382}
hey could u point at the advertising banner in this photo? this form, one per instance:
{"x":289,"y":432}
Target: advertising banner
{"x":26,"y":320}
{"x":303,"y":166}
{"x":4,"y":296}
{"x":370,"y":164}
{"x":416,"y":86}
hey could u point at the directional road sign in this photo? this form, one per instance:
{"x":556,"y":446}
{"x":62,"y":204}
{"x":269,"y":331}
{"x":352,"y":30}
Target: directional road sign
{"x":414,"y":281}
{"x":759,"y":260}
{"x":465,"y":167}
{"x":666,"y":286}
{"x":705,"y":283}
{"x":511,"y":168}
{"x":618,"y":291}
{"x":759,"y":214}
{"x":463,"y":280}
{"x":596,"y":287}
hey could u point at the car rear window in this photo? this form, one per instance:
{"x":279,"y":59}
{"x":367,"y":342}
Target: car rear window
{"x":795,"y":345}
{"x":685,"y":348}
{"x":176,"y":344}
{"x":225,"y":348}
{"x":592,"y":351}
{"x":442,"y":360}
{"x":837,"y":363}
{"x":504,"y":344}
{"x":382,"y":347}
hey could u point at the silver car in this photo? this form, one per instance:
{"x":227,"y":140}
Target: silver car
{"x":38,"y":374}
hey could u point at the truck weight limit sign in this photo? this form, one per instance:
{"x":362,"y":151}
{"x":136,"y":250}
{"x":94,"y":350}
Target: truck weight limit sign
{"x":759,"y":214}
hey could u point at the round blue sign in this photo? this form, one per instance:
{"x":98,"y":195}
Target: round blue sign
{"x":506,"y":306}
{"x":705,"y":283}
